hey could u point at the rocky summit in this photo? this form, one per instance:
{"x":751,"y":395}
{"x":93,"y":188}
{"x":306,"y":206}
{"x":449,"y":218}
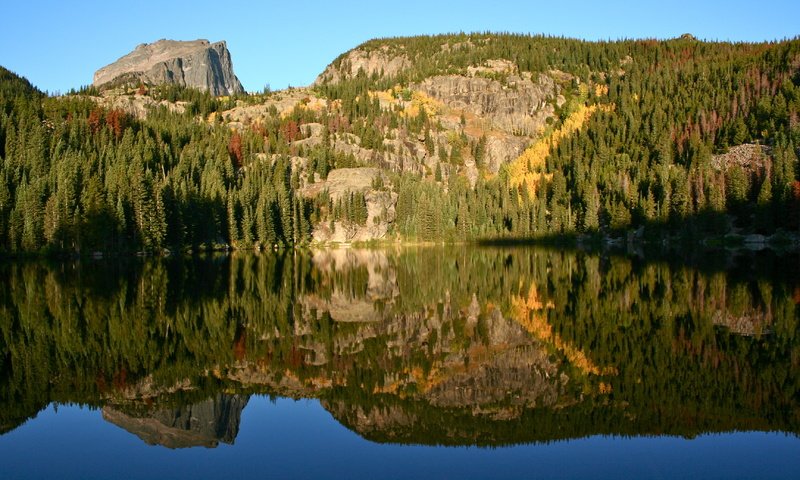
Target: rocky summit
{"x":197,"y":63}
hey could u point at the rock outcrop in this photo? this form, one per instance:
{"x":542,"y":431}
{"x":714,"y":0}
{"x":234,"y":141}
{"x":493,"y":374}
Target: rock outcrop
{"x":492,"y":101}
{"x":380,"y":205}
{"x":198,"y":63}
{"x":520,"y":105}
{"x":750,"y":157}
{"x":380,"y":61}
{"x":137,"y":105}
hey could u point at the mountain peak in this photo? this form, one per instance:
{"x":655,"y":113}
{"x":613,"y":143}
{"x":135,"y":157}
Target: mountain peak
{"x":195,"y":63}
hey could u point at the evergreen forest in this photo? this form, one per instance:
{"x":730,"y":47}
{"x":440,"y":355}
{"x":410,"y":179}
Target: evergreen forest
{"x":645,"y":140}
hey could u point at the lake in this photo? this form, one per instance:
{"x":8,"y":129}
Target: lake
{"x":429,"y":362}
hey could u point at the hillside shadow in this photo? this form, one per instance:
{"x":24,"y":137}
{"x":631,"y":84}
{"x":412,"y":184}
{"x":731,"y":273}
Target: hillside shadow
{"x":708,"y":241}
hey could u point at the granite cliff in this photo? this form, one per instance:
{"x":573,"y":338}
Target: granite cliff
{"x":198,"y":63}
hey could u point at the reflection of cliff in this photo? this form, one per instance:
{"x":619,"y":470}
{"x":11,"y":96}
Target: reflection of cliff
{"x":469,"y":359}
{"x":202,"y":424}
{"x":424,"y":345}
{"x":355,"y":283}
{"x":451,"y":355}
{"x":387,"y":418}
{"x":505,"y":371}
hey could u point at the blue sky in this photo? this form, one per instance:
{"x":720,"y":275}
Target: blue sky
{"x":58,"y":45}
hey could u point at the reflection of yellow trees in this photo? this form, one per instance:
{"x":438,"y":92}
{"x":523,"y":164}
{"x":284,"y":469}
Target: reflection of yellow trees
{"x":423,"y":381}
{"x":529,"y":312}
{"x":440,"y":370}
{"x":678,"y":336}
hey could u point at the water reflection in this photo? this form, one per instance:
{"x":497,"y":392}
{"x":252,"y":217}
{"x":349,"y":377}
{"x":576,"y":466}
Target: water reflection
{"x":432,"y":345}
{"x":202,"y":424}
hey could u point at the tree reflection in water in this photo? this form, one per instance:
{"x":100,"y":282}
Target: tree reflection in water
{"x":431,"y":345}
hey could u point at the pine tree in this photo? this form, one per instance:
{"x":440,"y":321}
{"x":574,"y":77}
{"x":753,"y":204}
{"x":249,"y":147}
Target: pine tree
{"x":591,"y":218}
{"x":764,"y":215}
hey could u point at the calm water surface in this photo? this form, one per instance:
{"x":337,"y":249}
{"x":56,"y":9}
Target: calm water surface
{"x":414,"y":363}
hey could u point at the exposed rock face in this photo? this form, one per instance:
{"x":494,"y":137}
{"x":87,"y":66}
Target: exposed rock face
{"x":380,"y":205}
{"x":508,"y":113}
{"x":749,"y":157}
{"x":380,"y":62}
{"x":281,"y":103}
{"x":502,"y":148}
{"x":198,"y":63}
{"x":138,"y":105}
{"x":203,"y":424}
{"x":520,"y":106}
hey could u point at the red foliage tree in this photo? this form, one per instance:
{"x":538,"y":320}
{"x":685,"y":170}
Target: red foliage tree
{"x":296,"y":358}
{"x":120,"y":380}
{"x":290,"y":131}
{"x":338,"y":123}
{"x":95,"y":120}
{"x":117,"y":120}
{"x":240,"y":343}
{"x":235,"y":149}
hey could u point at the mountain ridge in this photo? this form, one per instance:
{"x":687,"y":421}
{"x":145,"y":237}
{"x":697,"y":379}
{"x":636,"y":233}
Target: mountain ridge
{"x":475,"y":137}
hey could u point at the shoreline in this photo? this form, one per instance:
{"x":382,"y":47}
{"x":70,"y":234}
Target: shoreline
{"x":631,"y":242}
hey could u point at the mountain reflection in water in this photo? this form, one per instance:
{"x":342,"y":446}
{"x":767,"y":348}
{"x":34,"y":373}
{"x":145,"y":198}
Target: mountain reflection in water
{"x":203,"y":424}
{"x":452,"y":346}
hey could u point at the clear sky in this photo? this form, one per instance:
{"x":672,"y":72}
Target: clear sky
{"x":58,"y":45}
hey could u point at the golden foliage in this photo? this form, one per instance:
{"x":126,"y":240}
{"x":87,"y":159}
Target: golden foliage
{"x":423,"y":382}
{"x":390,"y":388}
{"x":314,"y":104}
{"x":386,"y":97}
{"x":528,"y":168}
{"x":419,"y":99}
{"x":528,"y":312}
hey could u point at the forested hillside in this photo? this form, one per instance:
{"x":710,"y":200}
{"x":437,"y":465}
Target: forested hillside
{"x":78,"y":176}
{"x":466,"y":137}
